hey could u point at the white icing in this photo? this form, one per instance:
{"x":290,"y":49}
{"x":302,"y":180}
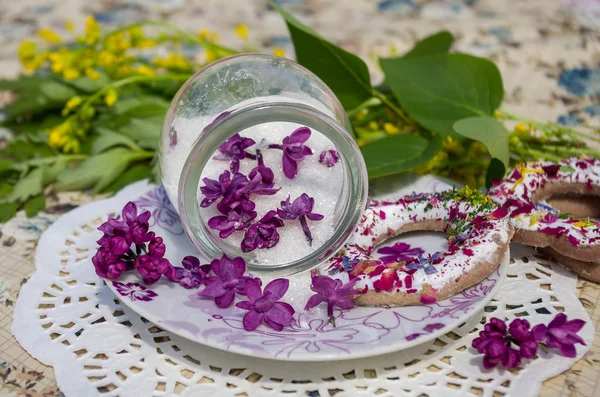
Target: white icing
{"x":533,"y":177}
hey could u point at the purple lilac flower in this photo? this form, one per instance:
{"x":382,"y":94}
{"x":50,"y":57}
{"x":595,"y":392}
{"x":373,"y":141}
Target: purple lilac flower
{"x":192,"y":274}
{"x":294,"y":150}
{"x":261,"y":179}
{"x":216,"y":120}
{"x":228,"y":280}
{"x":399,"y":252}
{"x":215,"y":189}
{"x":345,"y":264}
{"x":300,"y":209}
{"x":151,"y":268}
{"x":333,"y":292}
{"x":109,"y":265}
{"x":237,"y":216}
{"x":264,"y":307}
{"x":263,"y":234}
{"x":234,"y":150}
{"x":425,"y":263}
{"x":560,"y":334}
{"x":329,"y":157}
{"x":135,"y":291}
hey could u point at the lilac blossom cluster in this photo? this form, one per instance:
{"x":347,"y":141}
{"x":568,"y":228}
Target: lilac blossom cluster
{"x":234,"y":191}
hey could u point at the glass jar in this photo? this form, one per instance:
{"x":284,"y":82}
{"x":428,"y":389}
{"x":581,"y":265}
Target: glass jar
{"x":263,"y":98}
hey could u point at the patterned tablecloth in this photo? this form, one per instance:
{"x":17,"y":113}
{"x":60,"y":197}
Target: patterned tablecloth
{"x":548,"y":52}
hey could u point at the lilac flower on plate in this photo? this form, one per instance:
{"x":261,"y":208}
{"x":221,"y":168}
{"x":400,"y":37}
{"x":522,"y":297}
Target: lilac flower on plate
{"x":234,"y":150}
{"x":333,"y":292}
{"x":151,"y":268}
{"x":560,"y":334}
{"x":399,"y":252}
{"x":228,"y":280}
{"x":192,"y":274}
{"x":300,"y":209}
{"x":425,"y":263}
{"x":329,"y":158}
{"x":264,"y":306}
{"x":294,"y":150}
{"x":263,"y":234}
{"x":237,"y":216}
{"x":135,"y":291}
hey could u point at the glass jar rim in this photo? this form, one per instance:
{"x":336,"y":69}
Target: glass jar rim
{"x":250,"y":115}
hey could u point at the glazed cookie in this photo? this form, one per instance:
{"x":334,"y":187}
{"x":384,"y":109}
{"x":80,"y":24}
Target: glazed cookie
{"x":574,"y":186}
{"x":479,"y":235}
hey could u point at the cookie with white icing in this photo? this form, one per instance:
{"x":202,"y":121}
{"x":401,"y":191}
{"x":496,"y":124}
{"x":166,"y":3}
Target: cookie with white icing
{"x":478,"y":232}
{"x":573,"y":185}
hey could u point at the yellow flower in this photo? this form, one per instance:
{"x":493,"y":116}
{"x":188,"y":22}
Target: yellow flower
{"x":497,"y":114}
{"x":373,"y":125}
{"x":172,"y":61}
{"x":524,"y":171}
{"x":61,"y":137}
{"x":390,"y":128}
{"x":124,"y":71}
{"x":242,"y":31}
{"x":106,"y":58}
{"x":206,"y":34}
{"x":111,"y":97}
{"x":71,"y":104}
{"x":278,"y":52}
{"x":71,"y":74}
{"x":92,"y":74}
{"x":27,"y":50}
{"x":92,"y":30}
{"x":145,"y":70}
{"x":583,"y":224}
{"x":135,"y":32}
{"x":69,"y":26}
{"x":49,"y":35}
{"x":146,"y":43}
{"x":453,"y":146}
{"x":210,"y":56}
{"x":522,"y":128}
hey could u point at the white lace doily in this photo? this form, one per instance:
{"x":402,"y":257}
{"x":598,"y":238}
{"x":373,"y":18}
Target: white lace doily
{"x":98,"y":347}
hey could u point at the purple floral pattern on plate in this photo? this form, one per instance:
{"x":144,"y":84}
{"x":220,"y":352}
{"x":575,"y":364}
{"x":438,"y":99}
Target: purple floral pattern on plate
{"x":163,"y":214}
{"x":135,"y":291}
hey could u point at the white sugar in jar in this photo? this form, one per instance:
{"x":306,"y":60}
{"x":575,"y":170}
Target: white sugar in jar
{"x":241,"y":137}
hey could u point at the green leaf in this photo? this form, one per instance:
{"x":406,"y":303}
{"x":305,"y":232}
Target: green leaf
{"x":133,"y":174}
{"x":345,"y":73}
{"x":145,"y":132}
{"x":490,"y":132}
{"x":98,"y":171}
{"x":141,"y":106}
{"x":22,"y":148}
{"x":107,"y":139}
{"x":52,"y":171}
{"x":441,"y":89}
{"x":56,"y":91}
{"x":5,"y":164}
{"x":387,"y":156}
{"x":496,"y":171}
{"x":35,"y":205}
{"x":30,"y":185}
{"x":7,"y":211}
{"x":88,"y":85}
{"x":435,"y":44}
{"x":566,"y":168}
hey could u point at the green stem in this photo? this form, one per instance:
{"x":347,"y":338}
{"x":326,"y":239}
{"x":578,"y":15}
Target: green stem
{"x":366,"y":104}
{"x":180,"y":32}
{"x":50,"y":160}
{"x":571,"y":151}
{"x":389,"y":104}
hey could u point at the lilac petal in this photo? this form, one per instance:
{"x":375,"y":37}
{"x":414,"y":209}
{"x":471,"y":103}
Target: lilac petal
{"x":290,"y":167}
{"x":314,"y":217}
{"x":314,"y":301}
{"x":558,"y":320}
{"x":345,"y":303}
{"x":225,"y":300}
{"x":277,"y":288}
{"x":568,"y":350}
{"x":239,"y":267}
{"x":272,"y":324}
{"x":214,"y":288}
{"x":305,"y":229}
{"x":218,"y":222}
{"x":129,"y":212}
{"x":512,"y":359}
{"x":323,"y":285}
{"x":226,"y":268}
{"x":279,"y":314}
{"x":300,"y":135}
{"x":252,"y":320}
{"x":190,"y":262}
{"x":252,"y":289}
{"x":306,"y":151}
{"x":574,"y":325}
{"x":285,"y":306}
{"x":246,"y":305}
{"x":235,"y":165}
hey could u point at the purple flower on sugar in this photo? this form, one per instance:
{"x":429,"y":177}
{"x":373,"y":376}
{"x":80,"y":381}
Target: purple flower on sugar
{"x":151,"y":268}
{"x":192,"y":274}
{"x":237,"y":216}
{"x":135,"y":291}
{"x":263,"y":234}
{"x":264,"y":306}
{"x":234,"y":150}
{"x":228,"y":280}
{"x":294,"y":150}
{"x":425,"y":263}
{"x":560,"y":334}
{"x":261,"y":179}
{"x":216,"y":120}
{"x":399,"y":252}
{"x":300,"y":209}
{"x":215,"y":189}
{"x":329,"y":157}
{"x":333,"y":292}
